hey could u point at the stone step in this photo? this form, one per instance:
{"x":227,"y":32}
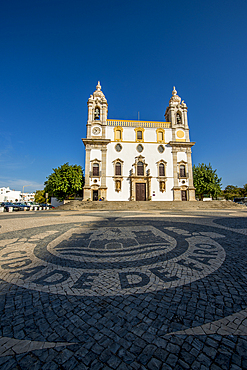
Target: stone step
{"x":148,"y":205}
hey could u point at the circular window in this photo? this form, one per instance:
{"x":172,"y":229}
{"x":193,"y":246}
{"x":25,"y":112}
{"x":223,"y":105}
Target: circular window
{"x":118,"y":148}
{"x":161,"y":148}
{"x":139,"y":148}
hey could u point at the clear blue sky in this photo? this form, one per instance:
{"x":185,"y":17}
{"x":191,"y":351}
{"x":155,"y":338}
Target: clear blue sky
{"x":53,"y":52}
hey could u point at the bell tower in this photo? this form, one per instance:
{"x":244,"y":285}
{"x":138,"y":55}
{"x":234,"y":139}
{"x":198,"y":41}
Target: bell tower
{"x":97,"y":114}
{"x":176,"y":113}
{"x":96,"y":146}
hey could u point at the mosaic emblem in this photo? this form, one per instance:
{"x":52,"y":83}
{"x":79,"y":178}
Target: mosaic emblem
{"x":110,"y":260}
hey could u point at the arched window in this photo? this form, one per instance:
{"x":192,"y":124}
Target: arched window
{"x":140,"y":169}
{"x":182,"y":171}
{"x":118,"y":169}
{"x":139,"y":135}
{"x":97,"y":113}
{"x":118,"y":135}
{"x":179,"y":119}
{"x":95,"y":169}
{"x":161,"y":169}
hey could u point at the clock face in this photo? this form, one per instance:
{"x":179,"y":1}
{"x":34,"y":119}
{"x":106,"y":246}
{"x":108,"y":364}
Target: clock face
{"x":96,"y":130}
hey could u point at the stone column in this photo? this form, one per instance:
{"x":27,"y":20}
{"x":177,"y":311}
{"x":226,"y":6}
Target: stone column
{"x":187,"y":135}
{"x":173,"y":122}
{"x":176,"y":188}
{"x":89,"y":131}
{"x":103,"y":131}
{"x":103,"y":187}
{"x":191,"y":188}
{"x":87,"y":188}
{"x":149,"y":188}
{"x":131,"y":185}
{"x":175,"y":167}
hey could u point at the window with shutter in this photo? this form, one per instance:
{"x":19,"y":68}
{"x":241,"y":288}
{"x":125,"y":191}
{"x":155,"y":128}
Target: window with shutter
{"x":118,"y":169}
{"x":139,"y":135}
{"x":182,"y":171}
{"x":161,"y":169}
{"x":140,"y":169}
{"x":95,"y":169}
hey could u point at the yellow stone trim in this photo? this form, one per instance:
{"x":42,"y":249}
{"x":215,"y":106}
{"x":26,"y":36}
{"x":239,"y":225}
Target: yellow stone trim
{"x":157,"y":135}
{"x":117,"y":128}
{"x":181,"y":140}
{"x":145,"y":142}
{"x":133,"y":123}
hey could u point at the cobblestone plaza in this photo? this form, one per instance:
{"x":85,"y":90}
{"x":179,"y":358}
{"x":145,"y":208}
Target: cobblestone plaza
{"x":123,"y":290}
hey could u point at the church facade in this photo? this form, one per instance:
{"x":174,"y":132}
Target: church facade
{"x":132,"y":160}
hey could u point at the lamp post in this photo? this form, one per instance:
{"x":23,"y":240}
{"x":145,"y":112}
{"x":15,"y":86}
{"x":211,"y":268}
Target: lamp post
{"x":23,"y":190}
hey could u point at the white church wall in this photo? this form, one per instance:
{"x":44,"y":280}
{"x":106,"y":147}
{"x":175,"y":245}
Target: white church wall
{"x":127,"y":155}
{"x":122,"y":195}
{"x":109,"y":132}
{"x":157,"y":195}
{"x":168,"y":135}
{"x":182,"y":156}
{"x":92,"y":181}
{"x":96,"y":154}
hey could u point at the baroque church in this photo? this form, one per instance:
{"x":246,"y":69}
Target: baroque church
{"x":132,"y":160}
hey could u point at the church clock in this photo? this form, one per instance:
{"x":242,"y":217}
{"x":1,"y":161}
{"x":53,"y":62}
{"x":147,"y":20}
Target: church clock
{"x":96,"y":130}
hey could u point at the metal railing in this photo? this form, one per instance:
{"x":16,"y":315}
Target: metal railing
{"x":92,"y":175}
{"x":185,"y":176}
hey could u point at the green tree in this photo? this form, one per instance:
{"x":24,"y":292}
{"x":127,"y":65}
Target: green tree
{"x":232,"y":191}
{"x":40,"y":196}
{"x":206,"y":181}
{"x":244,"y":194}
{"x":65,"y":181}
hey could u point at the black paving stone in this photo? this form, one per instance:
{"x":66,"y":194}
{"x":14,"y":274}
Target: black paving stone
{"x":129,"y":330}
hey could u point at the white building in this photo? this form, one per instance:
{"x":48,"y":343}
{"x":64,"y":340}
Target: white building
{"x":8,"y":195}
{"x":28,"y":197}
{"x":137,"y":160}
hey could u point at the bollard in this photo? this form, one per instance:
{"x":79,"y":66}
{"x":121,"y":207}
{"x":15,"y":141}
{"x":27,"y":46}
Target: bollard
{"x":25,"y":208}
{"x":10,"y":209}
{"x":35,"y":208}
{"x":40,"y":208}
{"x":1,"y":209}
{"x":31,"y":208}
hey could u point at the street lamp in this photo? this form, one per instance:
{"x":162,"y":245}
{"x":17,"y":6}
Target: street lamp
{"x":23,"y":190}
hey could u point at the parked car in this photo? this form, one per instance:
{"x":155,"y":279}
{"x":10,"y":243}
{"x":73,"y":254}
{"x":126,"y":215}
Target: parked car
{"x":32,"y":204}
{"x":22,"y":206}
{"x":8,"y":205}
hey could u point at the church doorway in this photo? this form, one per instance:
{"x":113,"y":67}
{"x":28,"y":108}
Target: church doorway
{"x":140,"y":191}
{"x":184,"y":195}
{"x":95,"y":195}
